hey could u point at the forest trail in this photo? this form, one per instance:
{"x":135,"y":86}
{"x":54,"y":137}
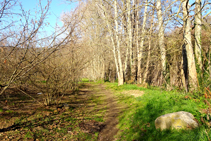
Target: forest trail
{"x":111,"y":117}
{"x":96,"y":112}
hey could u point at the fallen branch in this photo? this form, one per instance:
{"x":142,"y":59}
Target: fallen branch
{"x":206,"y":102}
{"x":30,"y":96}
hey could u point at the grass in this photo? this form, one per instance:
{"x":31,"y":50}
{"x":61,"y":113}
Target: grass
{"x":84,"y":80}
{"x":137,"y":120}
{"x":29,"y":135}
{"x":1,"y":110}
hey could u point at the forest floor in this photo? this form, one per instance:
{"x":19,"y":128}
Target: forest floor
{"x":93,"y":115}
{"x":101,"y":112}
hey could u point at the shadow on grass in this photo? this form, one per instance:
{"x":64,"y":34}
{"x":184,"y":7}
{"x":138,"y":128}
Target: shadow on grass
{"x":29,"y":123}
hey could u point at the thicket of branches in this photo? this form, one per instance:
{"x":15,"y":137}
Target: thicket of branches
{"x":52,"y":64}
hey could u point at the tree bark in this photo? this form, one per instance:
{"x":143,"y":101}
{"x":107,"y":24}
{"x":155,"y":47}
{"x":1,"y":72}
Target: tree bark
{"x":161,"y":39}
{"x":129,"y":26}
{"x":137,"y":37}
{"x":116,"y":46}
{"x":188,"y":46}
{"x":140,"y":51}
{"x":149,"y":49}
{"x":133,"y":41}
{"x":198,"y":22}
{"x":120,"y":73}
{"x":184,"y":72}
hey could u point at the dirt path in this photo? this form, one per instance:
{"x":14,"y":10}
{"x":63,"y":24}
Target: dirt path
{"x":111,"y":117}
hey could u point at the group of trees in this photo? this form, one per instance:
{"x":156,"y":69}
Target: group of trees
{"x":159,"y":42}
{"x":151,"y":41}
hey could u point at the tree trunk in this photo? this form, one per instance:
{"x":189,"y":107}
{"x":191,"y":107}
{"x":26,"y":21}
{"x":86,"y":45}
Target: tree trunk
{"x":161,"y":39}
{"x":120,"y":73}
{"x":129,"y":27}
{"x":133,"y":41}
{"x":198,"y":22}
{"x":137,"y":37}
{"x":116,"y":47}
{"x":126,"y":65}
{"x":188,"y":46}
{"x":149,"y":49}
{"x":184,"y":71}
{"x":140,"y":51}
{"x":209,"y":61}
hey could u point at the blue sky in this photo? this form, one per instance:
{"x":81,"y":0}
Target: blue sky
{"x":57,"y":7}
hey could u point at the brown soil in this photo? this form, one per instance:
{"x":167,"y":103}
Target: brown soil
{"x":111,"y":118}
{"x":135,"y":93}
{"x":22,"y":118}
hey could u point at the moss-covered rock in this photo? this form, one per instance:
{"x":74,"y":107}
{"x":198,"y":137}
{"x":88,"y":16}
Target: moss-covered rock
{"x":177,"y":120}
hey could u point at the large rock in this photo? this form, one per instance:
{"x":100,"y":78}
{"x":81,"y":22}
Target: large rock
{"x":177,"y":120}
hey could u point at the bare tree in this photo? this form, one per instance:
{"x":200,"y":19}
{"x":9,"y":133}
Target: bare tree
{"x":31,"y":57}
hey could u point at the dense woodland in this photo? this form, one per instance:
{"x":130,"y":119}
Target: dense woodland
{"x":163,"y":43}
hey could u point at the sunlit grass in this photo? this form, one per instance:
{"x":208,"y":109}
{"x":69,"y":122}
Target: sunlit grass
{"x":84,"y":80}
{"x":137,"y":120}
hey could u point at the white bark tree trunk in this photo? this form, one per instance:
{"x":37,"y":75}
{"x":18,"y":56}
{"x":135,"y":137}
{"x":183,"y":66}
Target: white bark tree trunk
{"x":198,"y":22}
{"x":149,"y":49}
{"x":161,"y":38}
{"x":116,"y":46}
{"x":120,"y":74}
{"x":140,"y":51}
{"x":188,"y":45}
{"x":124,"y":29}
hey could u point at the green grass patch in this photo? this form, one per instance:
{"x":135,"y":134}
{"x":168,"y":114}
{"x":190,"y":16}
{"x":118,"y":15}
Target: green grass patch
{"x":85,"y":80}
{"x":115,"y":86}
{"x":86,"y":137}
{"x":29,"y":135}
{"x":98,"y":118}
{"x":137,"y":120}
{"x":11,"y":112}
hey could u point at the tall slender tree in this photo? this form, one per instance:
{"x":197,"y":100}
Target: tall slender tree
{"x":198,"y":22}
{"x":161,"y":38}
{"x":149,"y":47}
{"x":129,"y":29}
{"x":140,"y":51}
{"x":120,"y":73}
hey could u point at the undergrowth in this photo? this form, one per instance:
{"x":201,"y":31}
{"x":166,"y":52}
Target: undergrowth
{"x":137,"y":120}
{"x":57,"y":123}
